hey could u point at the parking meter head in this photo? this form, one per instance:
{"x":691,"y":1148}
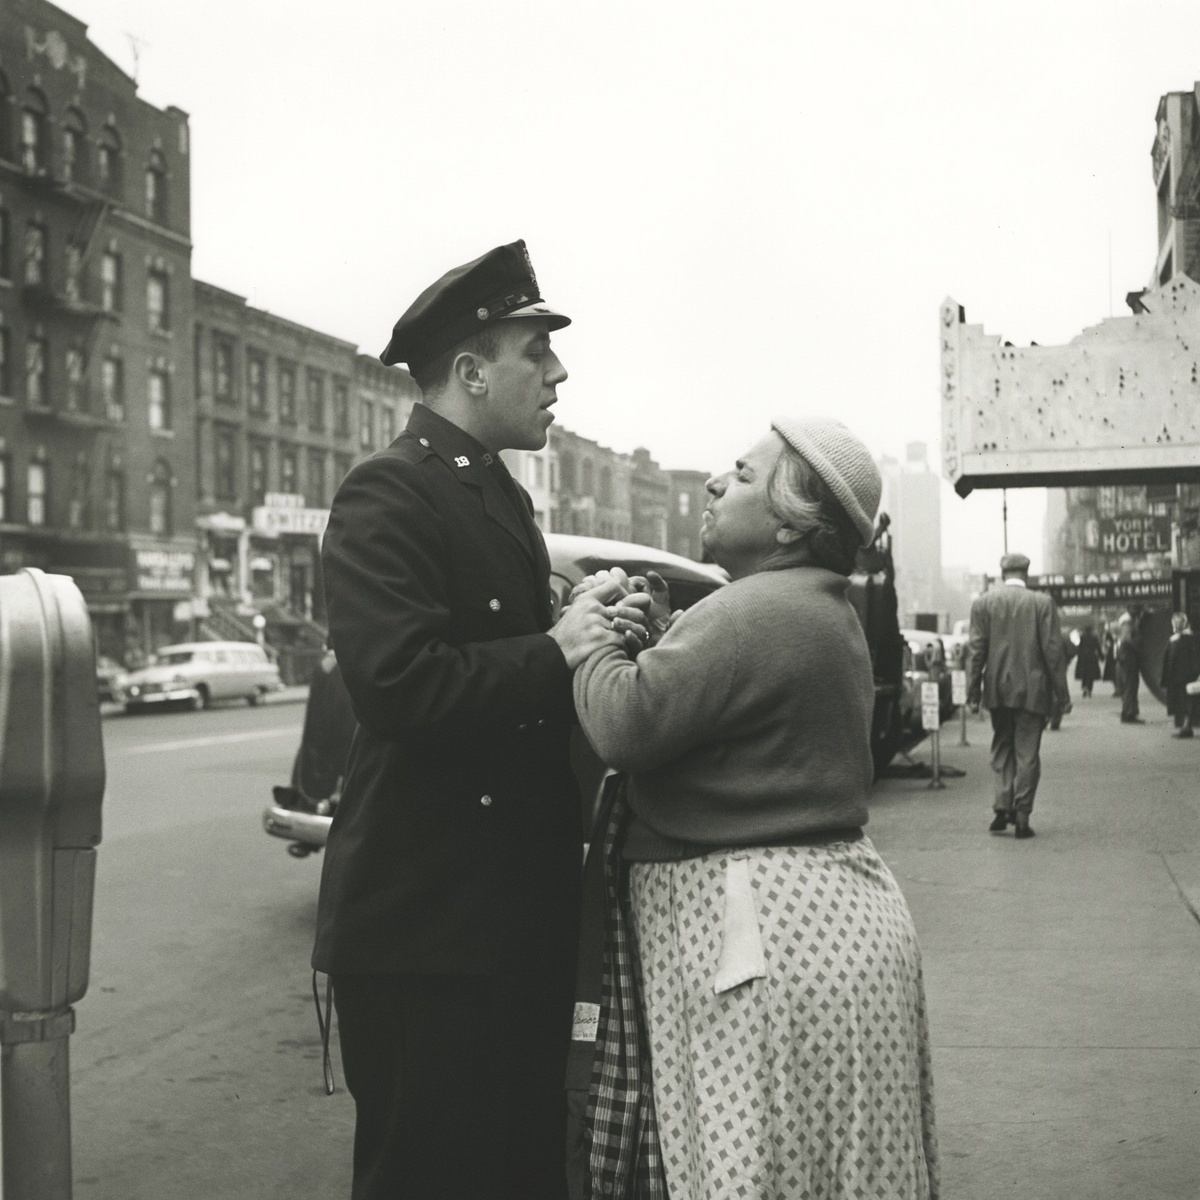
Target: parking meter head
{"x":51,"y":789}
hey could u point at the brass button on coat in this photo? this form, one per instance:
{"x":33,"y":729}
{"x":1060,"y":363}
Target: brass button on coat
{"x":486,"y":801}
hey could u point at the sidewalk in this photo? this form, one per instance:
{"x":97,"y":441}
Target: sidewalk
{"x":1063,"y":973}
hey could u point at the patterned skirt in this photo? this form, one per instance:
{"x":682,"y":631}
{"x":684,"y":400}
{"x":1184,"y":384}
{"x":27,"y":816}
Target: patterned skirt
{"x":810,"y":1079}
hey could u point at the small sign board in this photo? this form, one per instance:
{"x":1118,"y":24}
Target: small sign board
{"x":958,"y":685}
{"x":931,"y":717}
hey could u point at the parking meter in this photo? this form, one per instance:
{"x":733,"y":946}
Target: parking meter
{"x":51,"y":788}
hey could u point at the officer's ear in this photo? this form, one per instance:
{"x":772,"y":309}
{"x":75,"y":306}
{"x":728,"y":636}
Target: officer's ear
{"x":467,"y":371}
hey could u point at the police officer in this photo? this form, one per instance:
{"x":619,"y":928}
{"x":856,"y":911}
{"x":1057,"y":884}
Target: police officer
{"x":449,"y":894}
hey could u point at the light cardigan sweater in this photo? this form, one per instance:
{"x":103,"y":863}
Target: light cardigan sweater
{"x":750,"y":722}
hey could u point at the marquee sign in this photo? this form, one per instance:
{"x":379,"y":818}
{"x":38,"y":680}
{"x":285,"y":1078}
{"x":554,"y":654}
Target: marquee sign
{"x":1102,"y":589}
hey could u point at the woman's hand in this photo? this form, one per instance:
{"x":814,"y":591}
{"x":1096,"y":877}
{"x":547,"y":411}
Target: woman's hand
{"x":659,"y":617}
{"x":625,"y":608}
{"x":587,"y":624}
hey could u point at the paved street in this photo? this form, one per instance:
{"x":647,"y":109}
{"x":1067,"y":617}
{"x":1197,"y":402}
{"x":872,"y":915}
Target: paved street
{"x":1063,"y":973}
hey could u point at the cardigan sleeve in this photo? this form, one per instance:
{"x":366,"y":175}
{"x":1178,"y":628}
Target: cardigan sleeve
{"x":641,"y":714}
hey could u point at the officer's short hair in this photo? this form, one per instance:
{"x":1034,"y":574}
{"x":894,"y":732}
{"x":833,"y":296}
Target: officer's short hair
{"x":433,"y":377}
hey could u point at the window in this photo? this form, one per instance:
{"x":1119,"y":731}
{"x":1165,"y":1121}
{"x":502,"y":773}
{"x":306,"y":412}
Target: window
{"x":341,"y":467}
{"x":341,"y":409}
{"x":76,"y":384}
{"x":74,"y":146}
{"x":317,"y":496}
{"x":258,"y":471}
{"x":160,"y":499}
{"x":5,"y":242}
{"x":74,"y":273}
{"x":108,"y":161}
{"x":566,"y":472}
{"x":606,"y":485}
{"x":112,"y":381}
{"x":35,"y":254}
{"x":33,"y":132}
{"x":156,"y":188}
{"x":111,"y":290}
{"x":5,"y":358}
{"x":287,"y":468}
{"x":537,"y":472}
{"x":36,"y":395}
{"x":5,"y":109}
{"x":588,"y":477}
{"x":35,"y":494}
{"x":157,"y":313}
{"x":223,"y":368}
{"x":158,"y":400}
{"x":114,"y":500}
{"x":5,"y":504}
{"x":685,"y":504}
{"x":256,"y":381}
{"x":366,"y":425}
{"x":79,"y":510}
{"x":315,"y":382}
{"x":225,"y":470}
{"x":287,"y":392}
{"x":387,"y":416}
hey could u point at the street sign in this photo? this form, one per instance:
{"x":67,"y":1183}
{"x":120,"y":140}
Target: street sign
{"x":931,"y":717}
{"x":958,"y":685}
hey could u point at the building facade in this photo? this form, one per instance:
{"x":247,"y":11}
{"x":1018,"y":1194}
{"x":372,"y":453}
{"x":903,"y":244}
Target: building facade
{"x":590,"y":486}
{"x":688,"y":498}
{"x":96,"y":453}
{"x":912,"y":499}
{"x":649,"y":500}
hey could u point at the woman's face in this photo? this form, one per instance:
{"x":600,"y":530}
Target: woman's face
{"x":739,"y":527}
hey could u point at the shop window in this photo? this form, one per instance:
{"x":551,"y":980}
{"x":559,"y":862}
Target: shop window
{"x":109,"y":170}
{"x":315,"y":383}
{"x":111,"y":282}
{"x":35,"y":253}
{"x":76,"y":383}
{"x":366,"y":425}
{"x":158,"y":400}
{"x":158,"y":315}
{"x":33,"y":132}
{"x":287,"y":393}
{"x":36,"y":392}
{"x":341,"y":409}
{"x":287,"y":469}
{"x":258,"y":471}
{"x":112,"y":381}
{"x":317,"y":495}
{"x":79,"y":508}
{"x":223,"y":368}
{"x":155,"y":195}
{"x":160,"y":499}
{"x":36,"y":494}
{"x":225,"y":466}
{"x":256,"y":381}
{"x":114,"y":501}
{"x":74,"y":147}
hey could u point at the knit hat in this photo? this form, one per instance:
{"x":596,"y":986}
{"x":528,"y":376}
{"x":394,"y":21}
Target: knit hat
{"x":842,"y":461}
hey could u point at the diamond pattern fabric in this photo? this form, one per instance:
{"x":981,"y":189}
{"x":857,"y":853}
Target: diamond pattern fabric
{"x":813,"y":1083}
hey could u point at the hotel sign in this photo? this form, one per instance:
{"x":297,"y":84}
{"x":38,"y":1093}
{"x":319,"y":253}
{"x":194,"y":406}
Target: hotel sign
{"x":1137,"y":534}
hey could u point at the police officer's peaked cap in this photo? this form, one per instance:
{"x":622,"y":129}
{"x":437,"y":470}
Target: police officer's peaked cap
{"x":1014,"y":562}
{"x":498,"y":285}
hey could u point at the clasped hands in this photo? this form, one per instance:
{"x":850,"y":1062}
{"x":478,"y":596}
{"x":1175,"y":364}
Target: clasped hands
{"x":609,"y":608}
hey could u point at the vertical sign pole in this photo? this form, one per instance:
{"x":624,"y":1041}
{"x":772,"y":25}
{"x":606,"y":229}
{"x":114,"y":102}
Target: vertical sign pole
{"x":931,"y":720}
{"x":959,"y":683}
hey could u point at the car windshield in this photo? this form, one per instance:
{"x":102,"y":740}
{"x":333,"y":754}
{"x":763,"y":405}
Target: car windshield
{"x":172,"y":658}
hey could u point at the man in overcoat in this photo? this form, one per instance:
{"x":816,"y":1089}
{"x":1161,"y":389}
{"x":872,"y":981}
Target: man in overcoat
{"x":449,"y":894}
{"x":1018,"y":673}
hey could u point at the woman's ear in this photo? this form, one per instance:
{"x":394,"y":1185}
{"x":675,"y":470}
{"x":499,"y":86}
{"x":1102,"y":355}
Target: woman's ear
{"x":785,"y":535}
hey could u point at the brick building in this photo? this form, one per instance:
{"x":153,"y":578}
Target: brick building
{"x":590,"y":486}
{"x":96,"y":455}
{"x":649,"y":500}
{"x":689,"y":497}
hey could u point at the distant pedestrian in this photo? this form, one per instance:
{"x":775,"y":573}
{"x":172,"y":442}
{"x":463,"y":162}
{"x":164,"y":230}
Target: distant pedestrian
{"x":1110,"y":661}
{"x":1129,"y":665}
{"x":1181,"y":666}
{"x":1017,"y":672}
{"x":1056,"y":712}
{"x":1087,"y":660}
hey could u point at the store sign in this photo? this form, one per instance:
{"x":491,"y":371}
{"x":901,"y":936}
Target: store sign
{"x":1137,"y":534}
{"x":283,"y":500}
{"x":1102,"y":589}
{"x":163,"y":571}
{"x":278,"y":519}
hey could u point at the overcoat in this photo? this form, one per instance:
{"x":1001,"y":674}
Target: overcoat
{"x":1180,"y":666}
{"x":456,"y":846}
{"x":1016,"y":651}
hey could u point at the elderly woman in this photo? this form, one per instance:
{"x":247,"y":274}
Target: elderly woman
{"x":778,"y":970}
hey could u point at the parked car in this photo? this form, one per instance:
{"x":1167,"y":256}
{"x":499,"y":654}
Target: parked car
{"x":107,"y":675}
{"x":197,"y":673}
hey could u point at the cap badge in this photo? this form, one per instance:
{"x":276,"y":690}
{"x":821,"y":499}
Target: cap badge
{"x":529,"y":264}
{"x":462,"y":460}
{"x":482,"y":313}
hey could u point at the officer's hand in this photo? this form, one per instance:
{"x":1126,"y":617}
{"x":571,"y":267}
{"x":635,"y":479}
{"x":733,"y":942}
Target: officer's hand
{"x":586,"y":625}
{"x":590,"y":582}
{"x":659,"y":615}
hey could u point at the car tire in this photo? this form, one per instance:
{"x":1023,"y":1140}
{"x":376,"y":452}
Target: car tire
{"x":256,"y":696}
{"x":202,"y":700}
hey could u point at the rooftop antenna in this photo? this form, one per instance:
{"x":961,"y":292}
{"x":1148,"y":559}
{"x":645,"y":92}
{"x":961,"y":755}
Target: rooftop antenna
{"x":136,"y":45}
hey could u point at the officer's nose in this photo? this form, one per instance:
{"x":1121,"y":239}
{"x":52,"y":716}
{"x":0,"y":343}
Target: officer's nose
{"x":557,"y":372}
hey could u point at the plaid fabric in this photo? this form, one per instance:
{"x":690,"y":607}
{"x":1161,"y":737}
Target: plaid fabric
{"x":624,"y":1153}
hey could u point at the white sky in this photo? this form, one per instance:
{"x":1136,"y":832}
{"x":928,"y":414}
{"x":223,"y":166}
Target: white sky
{"x":747,"y":208}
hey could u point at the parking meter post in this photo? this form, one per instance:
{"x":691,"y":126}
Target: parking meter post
{"x":936,"y":740}
{"x":51,"y":788}
{"x":962,"y":733}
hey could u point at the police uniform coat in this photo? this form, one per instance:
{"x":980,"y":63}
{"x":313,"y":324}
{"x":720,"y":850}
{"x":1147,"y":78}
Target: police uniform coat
{"x":456,"y":847}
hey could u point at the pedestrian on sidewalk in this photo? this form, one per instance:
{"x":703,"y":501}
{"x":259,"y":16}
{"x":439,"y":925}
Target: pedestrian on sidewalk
{"x":1018,"y":674}
{"x":448,"y":911}
{"x":1087,"y":661}
{"x":1109,"y":674}
{"x":1056,"y":712}
{"x":1181,"y":666}
{"x":1129,"y":669}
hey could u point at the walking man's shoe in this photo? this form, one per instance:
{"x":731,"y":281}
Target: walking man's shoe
{"x":999,"y":823}
{"x":1023,"y":830}
{"x":1132,"y":721}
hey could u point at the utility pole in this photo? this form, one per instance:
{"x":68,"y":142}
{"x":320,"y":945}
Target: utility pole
{"x":1004,"y":499}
